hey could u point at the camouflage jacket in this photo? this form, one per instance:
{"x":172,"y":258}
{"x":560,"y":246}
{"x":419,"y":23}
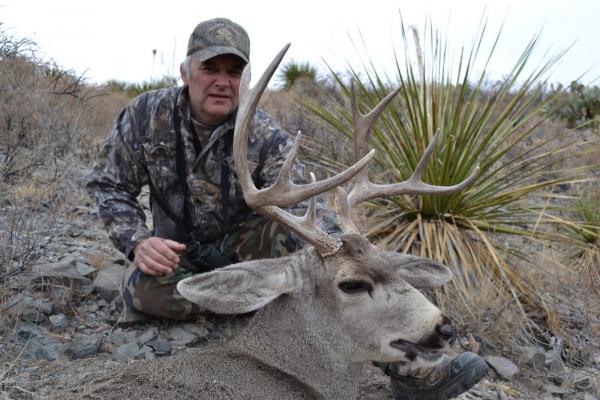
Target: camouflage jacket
{"x":142,"y":148}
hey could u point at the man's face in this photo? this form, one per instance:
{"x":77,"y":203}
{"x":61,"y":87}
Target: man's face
{"x":214,"y":87}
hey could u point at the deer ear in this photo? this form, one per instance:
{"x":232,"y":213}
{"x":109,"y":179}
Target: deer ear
{"x":420,"y":272}
{"x":239,"y":288}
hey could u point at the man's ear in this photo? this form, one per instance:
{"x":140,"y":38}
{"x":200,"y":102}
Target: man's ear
{"x":420,"y":272}
{"x":239,"y":288}
{"x":183,"y":73}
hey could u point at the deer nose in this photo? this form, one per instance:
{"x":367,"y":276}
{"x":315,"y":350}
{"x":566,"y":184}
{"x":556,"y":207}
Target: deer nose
{"x":446,"y":329}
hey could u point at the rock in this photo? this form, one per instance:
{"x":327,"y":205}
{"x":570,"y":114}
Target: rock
{"x":65,"y":271}
{"x":196,"y":329}
{"x":128,"y":351}
{"x":59,"y":322}
{"x":589,"y":396}
{"x":38,"y":344}
{"x":215,"y":334}
{"x":147,"y":353}
{"x":90,"y":319}
{"x":554,"y":389}
{"x":17,"y":303}
{"x":537,"y":361}
{"x":84,"y":269}
{"x":181,"y":336}
{"x":29,"y":309}
{"x":85,"y":346}
{"x":43,"y":306}
{"x":57,"y":294}
{"x":4,"y":324}
{"x":30,"y":314}
{"x":553,"y":363}
{"x":503,"y":366}
{"x":160,"y":347}
{"x":108,"y":282}
{"x":149,"y":335}
{"x":119,"y":337}
{"x":549,"y":397}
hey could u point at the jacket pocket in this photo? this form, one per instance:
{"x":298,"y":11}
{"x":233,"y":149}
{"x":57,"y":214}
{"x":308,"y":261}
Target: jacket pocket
{"x":161,"y":163}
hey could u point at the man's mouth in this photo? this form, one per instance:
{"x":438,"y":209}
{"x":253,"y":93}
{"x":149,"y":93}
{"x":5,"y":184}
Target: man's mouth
{"x":220,"y":96}
{"x":413,"y":350}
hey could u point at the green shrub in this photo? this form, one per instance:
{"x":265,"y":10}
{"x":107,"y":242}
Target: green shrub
{"x":579,"y":106}
{"x":135,"y":89}
{"x":587,"y":211}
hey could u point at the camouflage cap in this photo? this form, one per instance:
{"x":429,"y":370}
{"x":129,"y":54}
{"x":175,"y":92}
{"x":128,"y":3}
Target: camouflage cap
{"x":218,"y":36}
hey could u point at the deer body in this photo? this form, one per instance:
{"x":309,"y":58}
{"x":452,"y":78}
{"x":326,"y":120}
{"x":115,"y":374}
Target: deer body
{"x":311,"y":340}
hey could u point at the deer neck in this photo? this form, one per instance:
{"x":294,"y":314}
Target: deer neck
{"x":289,"y":337}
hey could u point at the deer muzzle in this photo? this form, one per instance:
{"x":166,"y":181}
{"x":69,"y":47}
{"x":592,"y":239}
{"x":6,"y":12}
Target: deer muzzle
{"x":432,"y":346}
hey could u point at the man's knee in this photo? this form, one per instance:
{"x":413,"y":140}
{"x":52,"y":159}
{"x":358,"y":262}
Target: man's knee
{"x":157,"y":296}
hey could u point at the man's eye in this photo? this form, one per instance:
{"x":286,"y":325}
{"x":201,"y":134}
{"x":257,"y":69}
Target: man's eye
{"x":355,"y":287}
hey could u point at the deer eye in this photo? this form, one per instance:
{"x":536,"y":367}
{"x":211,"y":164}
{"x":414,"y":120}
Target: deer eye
{"x":355,"y":287}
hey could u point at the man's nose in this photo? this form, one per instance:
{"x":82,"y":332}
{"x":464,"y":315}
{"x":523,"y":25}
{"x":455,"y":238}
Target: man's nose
{"x":222,"y":80}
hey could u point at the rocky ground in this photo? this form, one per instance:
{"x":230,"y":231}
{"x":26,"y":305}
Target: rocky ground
{"x":60,"y":326}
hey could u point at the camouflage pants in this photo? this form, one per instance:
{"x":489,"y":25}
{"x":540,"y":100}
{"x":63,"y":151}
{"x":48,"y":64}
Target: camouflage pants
{"x":158,"y":296}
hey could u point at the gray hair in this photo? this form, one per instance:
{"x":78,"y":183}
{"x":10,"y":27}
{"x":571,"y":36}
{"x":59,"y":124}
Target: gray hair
{"x":187,"y":66}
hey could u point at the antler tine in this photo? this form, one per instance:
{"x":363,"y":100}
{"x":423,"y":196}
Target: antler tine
{"x":306,"y":226}
{"x":283,"y":193}
{"x":364,"y":122}
{"x":363,"y":189}
{"x":366,"y":190}
{"x":343,"y":212}
{"x":248,"y":101}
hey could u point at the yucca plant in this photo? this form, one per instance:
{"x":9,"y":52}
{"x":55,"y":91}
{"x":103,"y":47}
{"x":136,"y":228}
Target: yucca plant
{"x":481,"y":123}
{"x":294,"y":71}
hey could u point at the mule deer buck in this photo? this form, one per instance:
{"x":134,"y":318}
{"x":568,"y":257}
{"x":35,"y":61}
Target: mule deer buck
{"x":323,"y":311}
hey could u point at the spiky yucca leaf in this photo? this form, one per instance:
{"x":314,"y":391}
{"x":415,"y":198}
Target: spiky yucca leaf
{"x":490,"y":125}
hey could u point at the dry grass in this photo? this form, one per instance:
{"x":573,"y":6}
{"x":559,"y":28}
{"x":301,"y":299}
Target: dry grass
{"x":51,"y":122}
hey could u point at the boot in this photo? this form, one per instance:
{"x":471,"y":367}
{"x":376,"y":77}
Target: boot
{"x":445,"y":381}
{"x":130,"y":317}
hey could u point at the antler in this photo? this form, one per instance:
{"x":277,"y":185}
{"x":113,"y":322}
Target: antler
{"x":284,"y":192}
{"x":363,"y":189}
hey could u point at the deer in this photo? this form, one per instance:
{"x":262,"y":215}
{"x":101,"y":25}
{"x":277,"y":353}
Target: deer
{"x":320,"y":313}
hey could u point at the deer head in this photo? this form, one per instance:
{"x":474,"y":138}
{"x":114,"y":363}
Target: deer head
{"x":343,"y":290}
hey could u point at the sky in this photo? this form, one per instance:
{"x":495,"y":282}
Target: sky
{"x":135,"y":41}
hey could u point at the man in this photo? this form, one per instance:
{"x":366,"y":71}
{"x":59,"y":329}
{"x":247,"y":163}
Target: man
{"x":178,"y":142}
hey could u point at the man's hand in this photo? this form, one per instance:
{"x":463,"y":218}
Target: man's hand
{"x":157,"y":256}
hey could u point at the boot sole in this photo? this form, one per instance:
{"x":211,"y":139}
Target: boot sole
{"x":472,"y":371}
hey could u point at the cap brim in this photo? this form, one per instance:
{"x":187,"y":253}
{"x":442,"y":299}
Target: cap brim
{"x":213,"y":51}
